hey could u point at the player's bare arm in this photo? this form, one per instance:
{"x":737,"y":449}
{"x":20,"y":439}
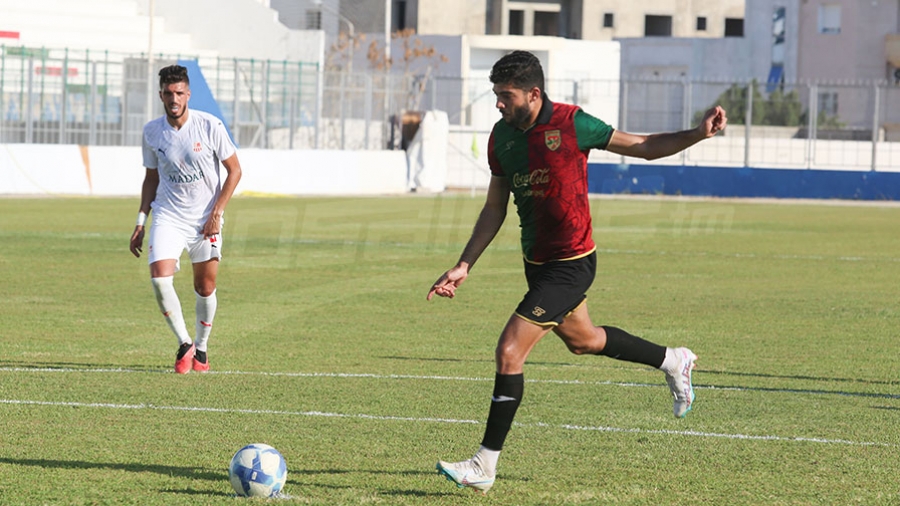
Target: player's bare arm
{"x":653,"y":146}
{"x":213,"y":224}
{"x":148,"y":193}
{"x":489,"y":222}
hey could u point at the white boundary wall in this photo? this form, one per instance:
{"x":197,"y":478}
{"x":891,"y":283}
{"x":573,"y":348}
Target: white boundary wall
{"x":42,"y":169}
{"x":69,"y":170}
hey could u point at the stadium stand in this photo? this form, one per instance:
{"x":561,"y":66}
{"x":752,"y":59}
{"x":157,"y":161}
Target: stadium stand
{"x":123,"y":26}
{"x":101,"y":25}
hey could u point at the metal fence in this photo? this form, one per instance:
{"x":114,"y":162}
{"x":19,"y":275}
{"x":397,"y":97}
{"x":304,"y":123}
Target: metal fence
{"x":100,"y":98}
{"x":803,"y":125}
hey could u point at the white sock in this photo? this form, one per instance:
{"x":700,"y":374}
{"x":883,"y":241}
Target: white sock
{"x":487,"y":459}
{"x":671,"y":361}
{"x":206,"y":312}
{"x":170,"y":306}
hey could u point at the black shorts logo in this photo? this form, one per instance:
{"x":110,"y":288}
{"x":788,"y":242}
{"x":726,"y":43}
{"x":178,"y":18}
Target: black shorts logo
{"x":538,"y":311}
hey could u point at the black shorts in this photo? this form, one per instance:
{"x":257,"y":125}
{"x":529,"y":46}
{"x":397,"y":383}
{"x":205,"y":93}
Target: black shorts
{"x":556,"y":288}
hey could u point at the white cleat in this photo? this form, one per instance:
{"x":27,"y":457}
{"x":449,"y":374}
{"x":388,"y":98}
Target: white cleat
{"x":679,"y":381}
{"x":466,"y":474}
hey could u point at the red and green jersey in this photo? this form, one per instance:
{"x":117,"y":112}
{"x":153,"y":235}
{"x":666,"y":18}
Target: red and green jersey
{"x":546,"y":166}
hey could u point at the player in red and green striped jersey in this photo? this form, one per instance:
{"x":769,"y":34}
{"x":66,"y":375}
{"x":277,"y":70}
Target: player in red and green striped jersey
{"x":539,"y":152}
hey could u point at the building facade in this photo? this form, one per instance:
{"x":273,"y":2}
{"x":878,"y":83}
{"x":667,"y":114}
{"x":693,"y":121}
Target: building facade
{"x":612,"y":19}
{"x":838,"y":45}
{"x":571,"y":19}
{"x":845,"y":40}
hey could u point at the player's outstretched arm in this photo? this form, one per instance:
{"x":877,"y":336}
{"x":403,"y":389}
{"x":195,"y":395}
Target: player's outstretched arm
{"x":653,"y":146}
{"x":489,"y":222}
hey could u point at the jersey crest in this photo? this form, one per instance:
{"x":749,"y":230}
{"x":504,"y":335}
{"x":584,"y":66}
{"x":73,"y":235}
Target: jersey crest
{"x":552,"y":139}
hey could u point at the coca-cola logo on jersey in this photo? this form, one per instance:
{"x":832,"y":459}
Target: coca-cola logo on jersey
{"x":535,"y":177}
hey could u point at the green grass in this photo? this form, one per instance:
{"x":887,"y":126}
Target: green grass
{"x":325,"y":348}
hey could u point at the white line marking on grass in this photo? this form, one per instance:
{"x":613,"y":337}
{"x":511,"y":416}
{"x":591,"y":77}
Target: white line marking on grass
{"x":362,"y":416}
{"x":230,"y":410}
{"x":452,"y":378}
{"x":721,"y":435}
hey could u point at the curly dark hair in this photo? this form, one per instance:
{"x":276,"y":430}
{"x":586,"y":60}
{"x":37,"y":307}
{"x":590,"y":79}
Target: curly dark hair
{"x":520,"y":69}
{"x":173,"y":74}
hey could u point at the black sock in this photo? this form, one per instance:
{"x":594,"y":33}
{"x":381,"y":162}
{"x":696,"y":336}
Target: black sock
{"x":182,"y":350}
{"x":621,"y":345}
{"x":508,"y":390}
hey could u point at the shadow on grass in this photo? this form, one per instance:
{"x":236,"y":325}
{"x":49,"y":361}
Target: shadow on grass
{"x":184,"y":472}
{"x":21,"y":364}
{"x":168,"y":471}
{"x":487,"y":360}
{"x":64,"y":366}
{"x":416,"y":493}
{"x":451,"y":490}
{"x":360,"y":471}
{"x":222,"y":477}
{"x":191,"y":491}
{"x":827,"y":379}
{"x":824,"y":379}
{"x":811,"y":391}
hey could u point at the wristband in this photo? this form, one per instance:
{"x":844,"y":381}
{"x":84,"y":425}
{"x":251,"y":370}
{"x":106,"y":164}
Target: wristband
{"x":142,"y":217}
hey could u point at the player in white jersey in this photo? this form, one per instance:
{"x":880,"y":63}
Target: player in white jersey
{"x":182,"y":186}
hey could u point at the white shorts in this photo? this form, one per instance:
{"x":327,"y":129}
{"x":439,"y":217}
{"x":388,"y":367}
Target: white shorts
{"x":168,"y":242}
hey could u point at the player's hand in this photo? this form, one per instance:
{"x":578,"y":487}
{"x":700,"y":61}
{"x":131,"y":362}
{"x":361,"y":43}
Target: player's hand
{"x":213,"y":225}
{"x":137,"y":241}
{"x":714,"y":121}
{"x":447,"y":284}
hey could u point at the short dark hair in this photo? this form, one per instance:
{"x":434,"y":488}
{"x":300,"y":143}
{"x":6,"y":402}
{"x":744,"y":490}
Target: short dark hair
{"x":520,"y":69}
{"x":173,"y":74}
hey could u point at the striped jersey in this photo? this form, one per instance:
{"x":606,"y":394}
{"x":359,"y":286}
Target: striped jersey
{"x":546,"y":167}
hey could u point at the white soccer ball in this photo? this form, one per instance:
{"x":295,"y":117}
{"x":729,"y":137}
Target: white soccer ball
{"x":257,"y":470}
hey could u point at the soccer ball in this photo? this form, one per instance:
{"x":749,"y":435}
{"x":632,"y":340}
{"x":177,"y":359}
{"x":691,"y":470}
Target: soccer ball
{"x":257,"y":470}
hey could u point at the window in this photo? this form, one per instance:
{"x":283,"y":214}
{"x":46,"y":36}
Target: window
{"x":830,"y":19}
{"x":828,"y":103}
{"x":313,"y":19}
{"x":657,"y":26}
{"x":701,"y":23}
{"x":608,"y":20}
{"x":516,"y":22}
{"x":398,"y":13}
{"x":734,"y":27}
{"x":546,"y":23}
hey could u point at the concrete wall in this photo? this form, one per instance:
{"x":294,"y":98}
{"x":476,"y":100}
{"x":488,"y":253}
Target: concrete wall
{"x":758,"y":36}
{"x":731,"y":58}
{"x":440,"y":17}
{"x":33,"y":169}
{"x":629,"y":17}
{"x":469,"y":101}
{"x":101,"y":25}
{"x":857,"y":52}
{"x":727,"y":60}
{"x":238,"y":29}
{"x":835,"y":170}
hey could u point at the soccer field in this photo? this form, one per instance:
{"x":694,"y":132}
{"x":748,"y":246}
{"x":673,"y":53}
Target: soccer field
{"x":325,"y":348}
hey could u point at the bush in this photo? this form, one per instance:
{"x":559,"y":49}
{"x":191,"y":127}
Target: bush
{"x":778,"y":109}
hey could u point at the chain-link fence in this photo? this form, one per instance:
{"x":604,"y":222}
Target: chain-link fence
{"x":100,"y":98}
